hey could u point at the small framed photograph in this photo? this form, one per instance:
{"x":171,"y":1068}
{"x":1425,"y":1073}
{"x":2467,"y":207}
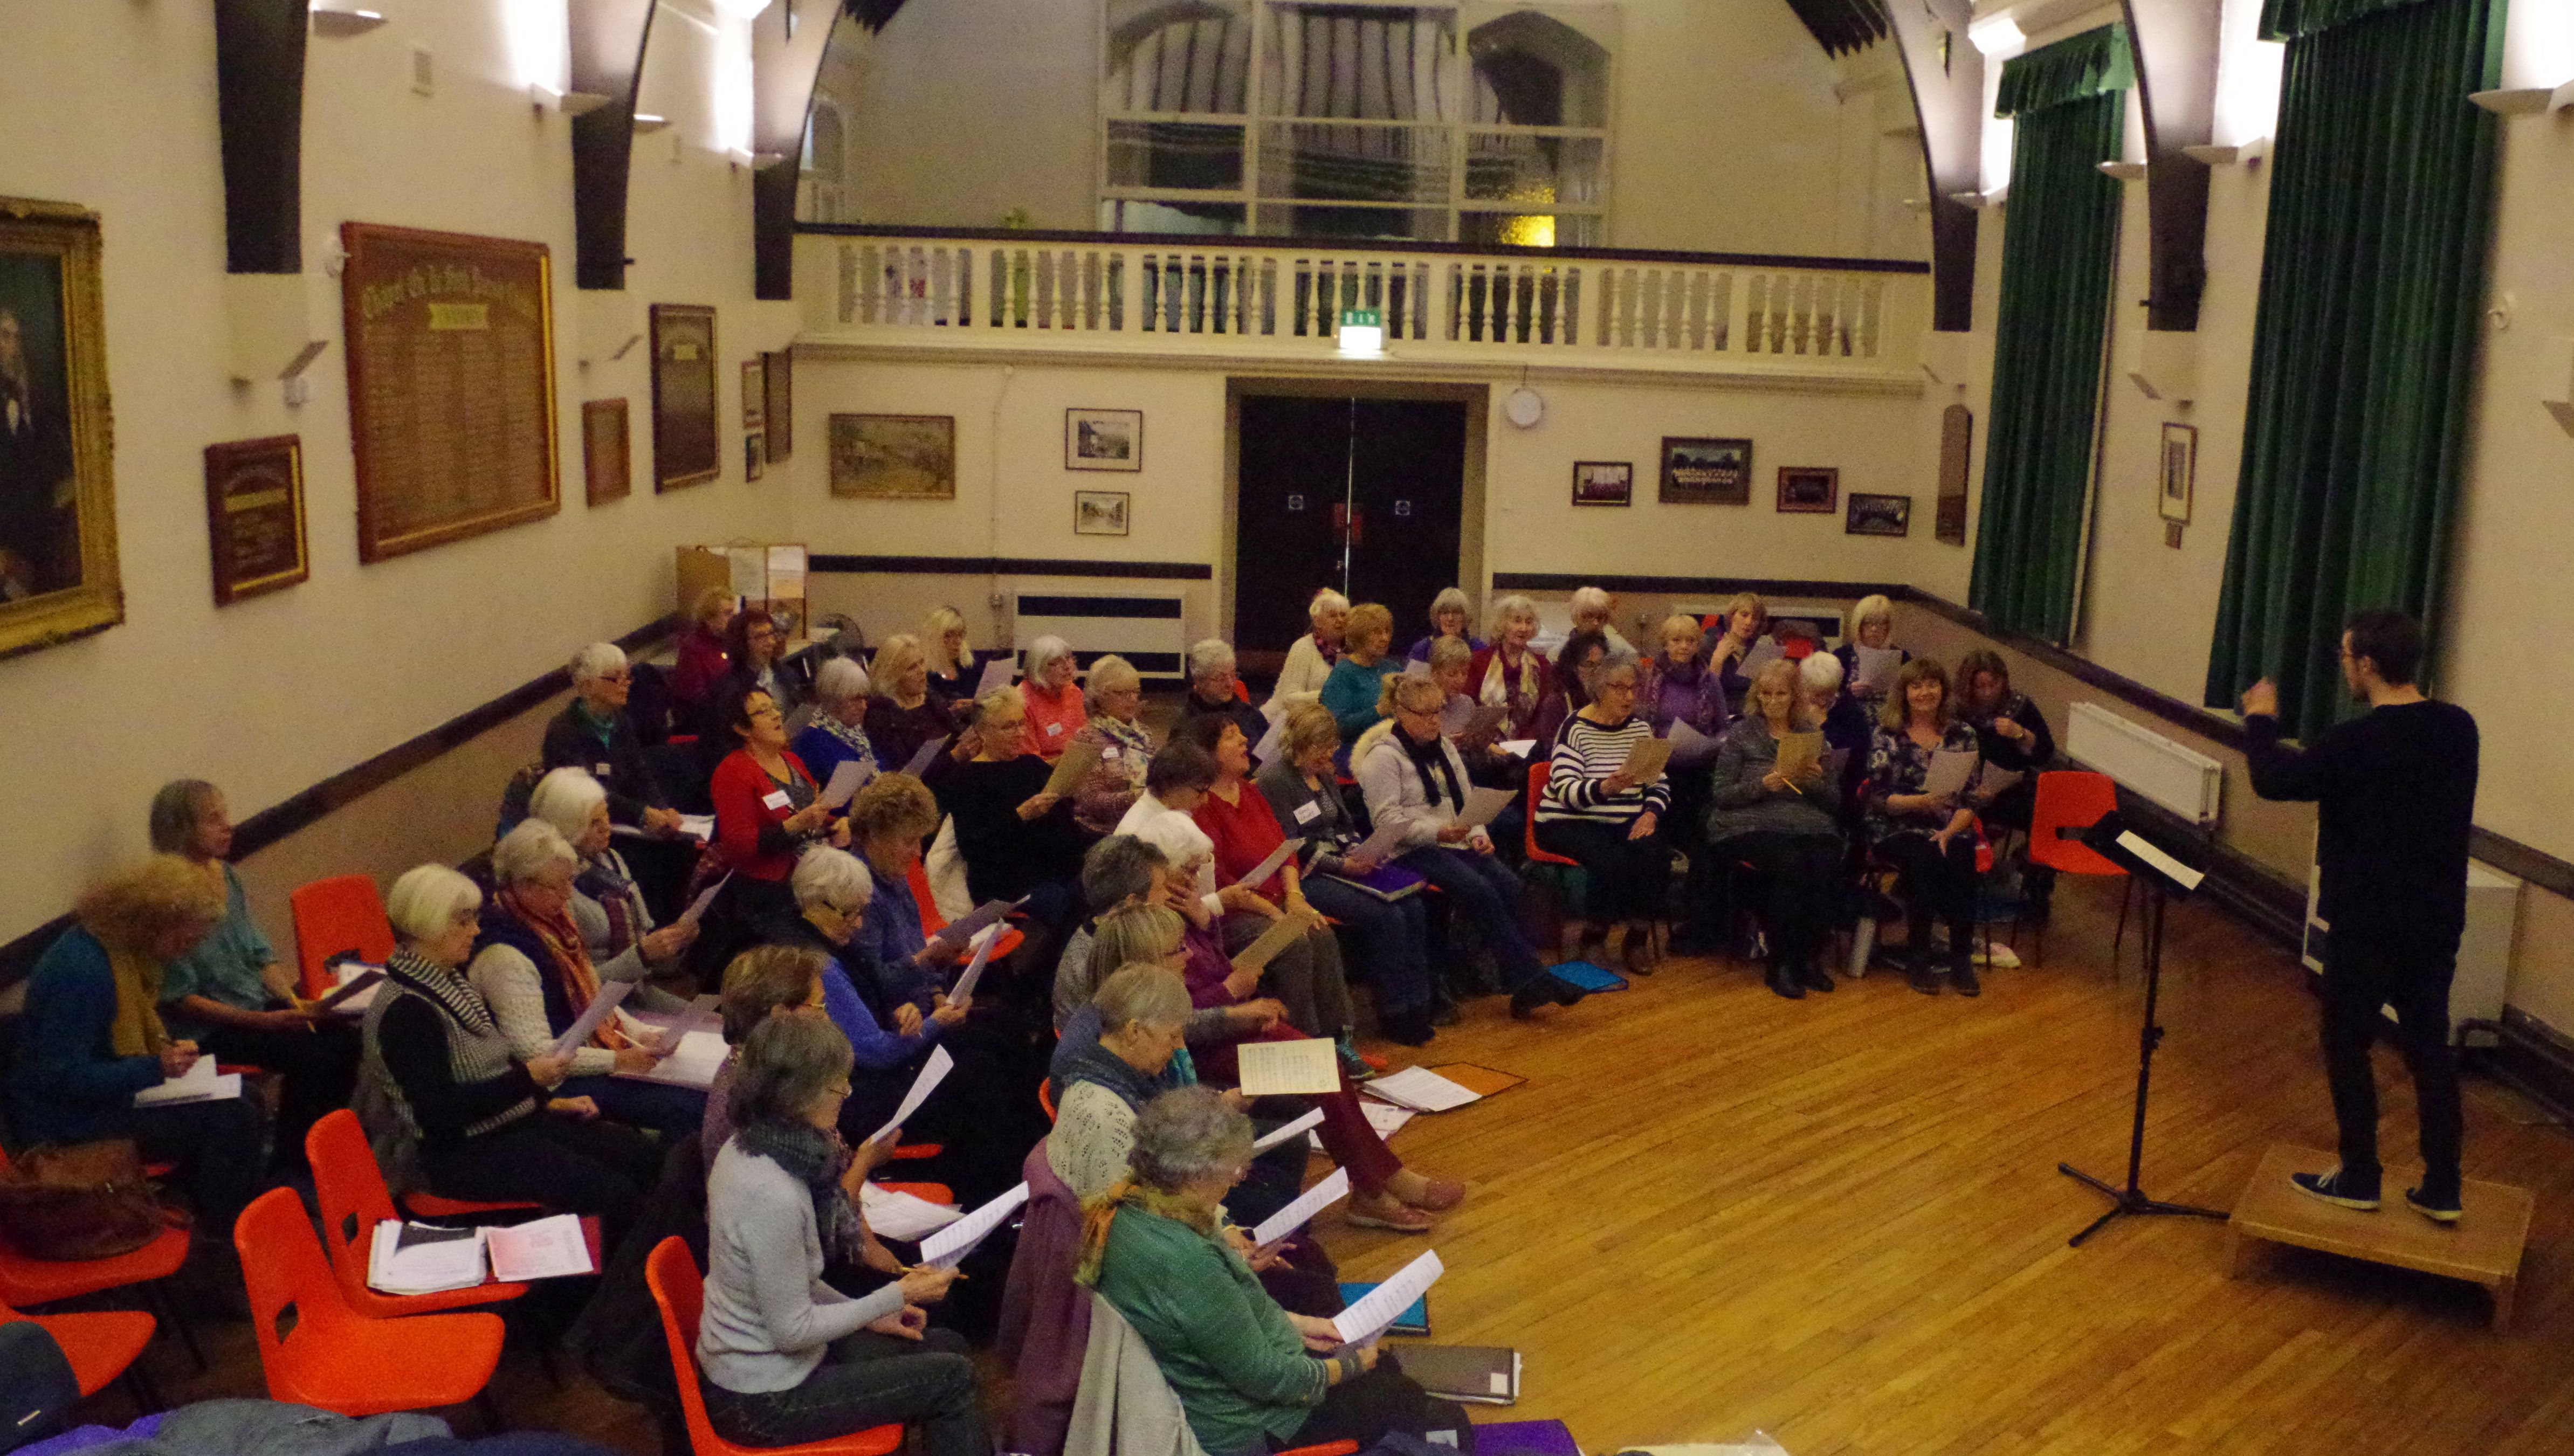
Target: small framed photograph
{"x":754,"y":454}
{"x":1104,"y":439}
{"x":1808,"y":487}
{"x":2180,"y":472}
{"x":1878,"y":514}
{"x":1603,"y":481}
{"x":1099,"y":513}
{"x":1699,"y":471}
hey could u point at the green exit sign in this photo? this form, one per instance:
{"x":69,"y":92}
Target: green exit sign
{"x":1362,"y":319}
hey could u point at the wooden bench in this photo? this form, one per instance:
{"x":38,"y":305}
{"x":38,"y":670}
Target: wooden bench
{"x":2483,"y":1246}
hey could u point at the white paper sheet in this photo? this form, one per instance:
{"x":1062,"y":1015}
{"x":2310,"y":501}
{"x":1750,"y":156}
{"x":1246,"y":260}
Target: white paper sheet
{"x":1644,"y":760}
{"x":1079,"y":758}
{"x":966,"y":981}
{"x":199,"y":1083}
{"x":1876,"y":670}
{"x":921,"y":761}
{"x":1284,"y":931}
{"x":1367,"y":1319}
{"x":900,"y":1215}
{"x":587,"y":1026}
{"x":1483,"y":805}
{"x":1289,"y":1068}
{"x":453,"y":1261}
{"x":1421,"y":1089}
{"x":2181,"y":874}
{"x":1691,"y":747}
{"x":949,"y":1245}
{"x":1998,"y":782}
{"x":1761,"y":655}
{"x":1949,"y":771}
{"x":846,"y":780}
{"x":698,"y":907}
{"x":997,"y":672}
{"x":1517,"y":748}
{"x":1387,"y":1118}
{"x":1270,"y":747}
{"x":345,"y":1002}
{"x":699,"y":1056}
{"x":701,"y":828}
{"x":1284,"y":1132}
{"x":1381,"y":846}
{"x":1301,"y":1212}
{"x":1260,"y":874}
{"x":543,"y":1249}
{"x":933,"y":1072}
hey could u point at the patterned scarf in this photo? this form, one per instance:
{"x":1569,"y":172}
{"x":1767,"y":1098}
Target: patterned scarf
{"x":819,"y":1161}
{"x":561,"y":940}
{"x":1331,"y":651}
{"x":1498,"y":692}
{"x":607,"y":882}
{"x":848,"y":733}
{"x":1101,"y":1214}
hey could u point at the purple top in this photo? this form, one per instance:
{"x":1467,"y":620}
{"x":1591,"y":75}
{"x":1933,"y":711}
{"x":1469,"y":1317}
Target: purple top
{"x":1692,"y":695}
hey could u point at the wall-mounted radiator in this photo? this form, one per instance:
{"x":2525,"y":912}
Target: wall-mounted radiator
{"x":1145,"y":630}
{"x":2189,"y":783}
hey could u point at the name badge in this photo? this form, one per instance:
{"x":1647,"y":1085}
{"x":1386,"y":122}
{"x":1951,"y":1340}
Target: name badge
{"x":1308,"y":812}
{"x":1054,"y":730}
{"x":1108,"y":754}
{"x":601,"y":771}
{"x":775,"y":798}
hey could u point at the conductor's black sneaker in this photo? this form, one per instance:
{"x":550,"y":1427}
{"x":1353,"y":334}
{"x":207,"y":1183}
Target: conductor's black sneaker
{"x":2338,"y":1188}
{"x":2437,"y":1212}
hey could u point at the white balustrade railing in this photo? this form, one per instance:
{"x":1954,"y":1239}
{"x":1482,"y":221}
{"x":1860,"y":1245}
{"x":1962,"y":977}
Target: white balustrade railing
{"x":1114,"y":293}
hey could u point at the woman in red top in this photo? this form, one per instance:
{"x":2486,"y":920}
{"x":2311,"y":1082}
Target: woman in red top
{"x":767,"y":807}
{"x":1245,"y":833}
{"x":702,"y":661}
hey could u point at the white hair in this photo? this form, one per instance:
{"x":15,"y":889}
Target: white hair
{"x":1821,"y":671}
{"x":1324,"y":600}
{"x":1590,"y":598}
{"x":841,"y":679}
{"x":832,"y":876}
{"x":1042,"y":654}
{"x":565,"y":799}
{"x":596,"y":660}
{"x":1512,"y":607}
{"x":1176,"y":836}
{"x":1451,"y":599}
{"x":528,"y":850}
{"x":1209,"y":656}
{"x":426,"y":899}
{"x":1109,"y":674}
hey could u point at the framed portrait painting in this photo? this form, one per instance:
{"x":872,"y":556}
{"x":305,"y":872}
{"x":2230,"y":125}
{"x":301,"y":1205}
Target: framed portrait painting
{"x":1603,"y":481}
{"x":1878,"y":514}
{"x":1808,"y":488}
{"x":58,"y":574}
{"x":1104,"y":439}
{"x":1700,"y":472}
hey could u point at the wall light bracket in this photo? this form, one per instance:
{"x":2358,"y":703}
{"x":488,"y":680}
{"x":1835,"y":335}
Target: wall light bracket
{"x":2248,"y":152}
{"x":2525,"y":100}
{"x":341,"y":24}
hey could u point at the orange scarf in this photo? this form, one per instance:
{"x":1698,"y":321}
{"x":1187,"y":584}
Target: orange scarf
{"x":562,"y":939}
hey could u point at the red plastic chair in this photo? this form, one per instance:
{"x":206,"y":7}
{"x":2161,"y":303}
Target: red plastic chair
{"x":1046,"y":1098}
{"x":680,"y":1292}
{"x":931,"y":921}
{"x":1528,"y":829}
{"x":351,"y":1190}
{"x":28,"y":1281}
{"x":342,"y":915}
{"x":431,"y":1206}
{"x":2074,"y":800}
{"x":99,"y":1346}
{"x":334,"y":1357}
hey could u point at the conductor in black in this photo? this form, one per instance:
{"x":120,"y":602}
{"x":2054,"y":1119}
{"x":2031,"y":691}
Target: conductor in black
{"x":2395,"y":790}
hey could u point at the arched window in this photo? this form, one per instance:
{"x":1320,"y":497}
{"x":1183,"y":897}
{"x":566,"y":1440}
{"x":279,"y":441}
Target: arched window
{"x":1537,"y":157}
{"x":824,"y":166}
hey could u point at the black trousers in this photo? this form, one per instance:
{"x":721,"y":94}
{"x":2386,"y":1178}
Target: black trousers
{"x":569,"y":1164}
{"x":2363,"y":971}
{"x":320,"y":1067}
{"x":1377,"y":1401}
{"x":1804,"y":875}
{"x":1630,"y":879}
{"x":1933,"y":884}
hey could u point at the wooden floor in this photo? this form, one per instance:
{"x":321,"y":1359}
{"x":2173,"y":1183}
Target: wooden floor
{"x":1839,"y":1221}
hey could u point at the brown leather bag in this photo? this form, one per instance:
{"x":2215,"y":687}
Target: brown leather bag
{"x":81,"y":1200}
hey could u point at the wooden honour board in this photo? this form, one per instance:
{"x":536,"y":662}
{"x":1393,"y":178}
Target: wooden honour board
{"x":451,"y":385}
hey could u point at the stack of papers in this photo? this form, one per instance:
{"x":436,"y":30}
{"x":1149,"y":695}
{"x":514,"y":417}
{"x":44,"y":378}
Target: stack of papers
{"x":1419,"y":1090}
{"x":543,"y":1248}
{"x":200,"y":1083}
{"x":423,"y":1259}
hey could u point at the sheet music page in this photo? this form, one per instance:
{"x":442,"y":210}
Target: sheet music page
{"x":2181,"y":874}
{"x":1798,"y":751}
{"x":1284,"y":931}
{"x":1949,"y":771}
{"x":949,"y":1245}
{"x":1284,"y":1132}
{"x":1075,"y":766}
{"x":1260,"y":874}
{"x":964,"y":988}
{"x":698,"y":907}
{"x":1419,"y":1088}
{"x":965,"y":927}
{"x":1645,"y":760}
{"x":1301,"y":1212}
{"x":921,"y":761}
{"x":846,"y":780}
{"x":1483,"y":805}
{"x":1301,"y":1067}
{"x":997,"y":672}
{"x":933,"y":1072}
{"x":1877,"y":669}
{"x":1367,"y":1319}
{"x":586,"y":1026}
{"x":545,"y":1248}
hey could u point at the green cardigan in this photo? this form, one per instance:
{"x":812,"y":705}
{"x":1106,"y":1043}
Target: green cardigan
{"x":1239,"y":1368}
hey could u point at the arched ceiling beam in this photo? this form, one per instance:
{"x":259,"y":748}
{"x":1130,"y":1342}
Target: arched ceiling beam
{"x":2175,"y":51}
{"x":1947,"y":78}
{"x":258,"y":107}
{"x":608,"y":39}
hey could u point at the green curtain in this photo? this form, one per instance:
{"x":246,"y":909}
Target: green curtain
{"x":2060,"y":262}
{"x":2364,"y":350}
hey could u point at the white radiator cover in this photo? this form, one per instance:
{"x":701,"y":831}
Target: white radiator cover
{"x":2187,"y":782}
{"x":1144,"y":627}
{"x":2485,"y":949}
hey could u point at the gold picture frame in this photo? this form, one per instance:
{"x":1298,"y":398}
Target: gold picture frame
{"x":58,"y":570}
{"x":893,"y":457}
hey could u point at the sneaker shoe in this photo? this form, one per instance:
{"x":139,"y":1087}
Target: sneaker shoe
{"x":2445,"y":1211}
{"x":2338,"y":1189}
{"x":1353,"y":1066}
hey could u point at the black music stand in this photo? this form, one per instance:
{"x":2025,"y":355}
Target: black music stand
{"x":2164,"y":883}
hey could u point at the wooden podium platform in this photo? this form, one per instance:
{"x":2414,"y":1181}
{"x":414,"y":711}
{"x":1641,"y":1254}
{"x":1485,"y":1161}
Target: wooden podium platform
{"x":2482,"y":1247}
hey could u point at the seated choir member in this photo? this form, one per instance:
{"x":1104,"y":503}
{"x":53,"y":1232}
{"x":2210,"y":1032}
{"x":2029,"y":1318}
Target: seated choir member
{"x":1451,"y":666}
{"x":758,"y":651}
{"x":1787,"y":827}
{"x":1928,"y":837}
{"x":1847,"y":730}
{"x":1119,"y":872}
{"x":1676,"y":687}
{"x":1592,"y":608}
{"x":1393,"y":936}
{"x":1055,"y":704}
{"x":1871,"y":623}
{"x":1747,"y":616}
{"x":769,"y":808}
{"x":2012,"y":734}
{"x":1575,"y":661}
{"x":1213,"y":689}
{"x":1509,"y":674}
{"x":903,"y":718}
{"x":93,"y":1037}
{"x":593,"y":735}
{"x":1367,"y":660}
{"x":616,"y":925}
{"x":1311,"y":659}
{"x":1018,"y":841}
{"x":784,"y":1358}
{"x":1593,"y":812}
{"x":953,"y":673}
{"x":702,"y":661}
{"x":1250,"y":1376}
{"x":1111,"y":788}
{"x":837,"y":732}
{"x":532,"y":968}
{"x":1411,"y":776}
{"x":230,"y":996}
{"x":446,"y":1103}
{"x":1450,"y":615}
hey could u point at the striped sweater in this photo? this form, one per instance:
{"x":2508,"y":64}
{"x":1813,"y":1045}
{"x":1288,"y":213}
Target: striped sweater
{"x":1587,"y":752}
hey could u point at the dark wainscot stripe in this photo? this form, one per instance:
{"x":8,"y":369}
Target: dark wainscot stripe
{"x":278,"y":821}
{"x":1166,"y":607}
{"x":2197,"y":719}
{"x":1002,"y":566}
{"x":1714,"y":586}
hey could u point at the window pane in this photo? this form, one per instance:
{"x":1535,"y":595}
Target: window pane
{"x":1372,"y":62}
{"x":1416,"y":225}
{"x":1122,"y":215}
{"x":1528,"y":230}
{"x":1169,"y":58}
{"x":1354,"y":163}
{"x":1524,"y":169}
{"x":1174,"y":154}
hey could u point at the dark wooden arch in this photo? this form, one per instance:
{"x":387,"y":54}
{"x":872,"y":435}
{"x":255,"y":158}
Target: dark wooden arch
{"x":1947,"y":77}
{"x":2176,"y":52}
{"x":259,"y":109}
{"x":607,"y":41}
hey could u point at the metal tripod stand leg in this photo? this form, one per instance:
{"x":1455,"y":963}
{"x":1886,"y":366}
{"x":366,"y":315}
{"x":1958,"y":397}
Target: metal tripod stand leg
{"x":2132,"y":1198}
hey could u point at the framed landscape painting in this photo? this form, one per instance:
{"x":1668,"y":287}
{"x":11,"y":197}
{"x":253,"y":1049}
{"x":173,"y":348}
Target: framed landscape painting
{"x":1104,"y":439}
{"x":893,"y":457}
{"x":58,"y":574}
{"x":1804,"y":488}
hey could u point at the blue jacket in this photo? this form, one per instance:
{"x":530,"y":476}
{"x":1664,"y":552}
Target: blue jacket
{"x":69,"y":1084}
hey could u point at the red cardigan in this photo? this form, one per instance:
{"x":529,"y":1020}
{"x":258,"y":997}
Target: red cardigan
{"x":1245,"y":833}
{"x":745,"y":806}
{"x":702,"y":666}
{"x":1526,"y":719}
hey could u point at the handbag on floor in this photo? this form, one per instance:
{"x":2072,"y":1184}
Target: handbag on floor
{"x":81,"y":1200}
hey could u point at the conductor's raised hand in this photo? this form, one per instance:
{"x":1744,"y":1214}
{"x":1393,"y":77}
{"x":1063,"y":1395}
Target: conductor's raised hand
{"x":2262,"y":699}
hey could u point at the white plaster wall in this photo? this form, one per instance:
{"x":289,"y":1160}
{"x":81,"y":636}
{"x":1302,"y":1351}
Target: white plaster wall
{"x":112,"y":107}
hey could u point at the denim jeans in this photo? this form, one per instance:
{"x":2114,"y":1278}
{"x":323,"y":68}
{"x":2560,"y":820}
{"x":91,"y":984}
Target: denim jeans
{"x":1484,"y":890}
{"x":1393,"y":938}
{"x":865,"y":1379}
